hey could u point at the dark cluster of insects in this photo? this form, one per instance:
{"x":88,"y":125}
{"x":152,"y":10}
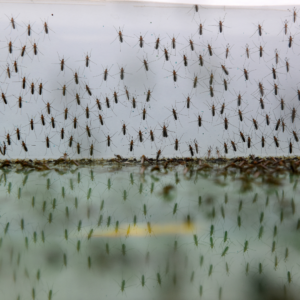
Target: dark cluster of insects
{"x":224,"y":98}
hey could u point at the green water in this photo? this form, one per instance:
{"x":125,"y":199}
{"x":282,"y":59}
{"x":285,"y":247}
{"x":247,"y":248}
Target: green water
{"x":112,"y":233}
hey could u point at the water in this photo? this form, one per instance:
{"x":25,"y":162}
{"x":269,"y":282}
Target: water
{"x":166,"y":225}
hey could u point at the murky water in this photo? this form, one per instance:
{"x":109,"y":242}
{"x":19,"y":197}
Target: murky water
{"x":109,"y":232}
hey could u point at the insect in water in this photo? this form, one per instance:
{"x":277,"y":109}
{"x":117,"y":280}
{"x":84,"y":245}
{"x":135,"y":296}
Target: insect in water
{"x":225,"y":251}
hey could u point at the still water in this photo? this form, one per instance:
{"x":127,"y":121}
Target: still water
{"x":118,"y":231}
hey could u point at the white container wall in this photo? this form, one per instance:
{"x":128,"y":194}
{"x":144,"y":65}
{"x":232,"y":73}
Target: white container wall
{"x":156,"y":82}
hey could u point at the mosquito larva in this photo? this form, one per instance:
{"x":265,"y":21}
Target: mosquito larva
{"x":38,"y":275}
{"x":158,"y":277}
{"x":275,"y":231}
{"x":286,"y":254}
{"x":50,"y":218}
{"x":261,"y":231}
{"x":281,"y":216}
{"x":223,"y":212}
{"x":108,"y":221}
{"x":273,"y":246}
{"x":195,"y":240}
{"x":22,"y":224}
{"x":6,"y":228}
{"x":211,"y":230}
{"x":152,"y":187}
{"x":107,"y":248}
{"x":26,"y":242}
{"x":225,"y":236}
{"x":34,"y":237}
{"x":134,"y":220}
{"x":201,"y":260}
{"x":65,"y":259}
{"x":43,"y":236}
{"x":89,"y":193}
{"x":76,"y":202}
{"x":54,"y":203}
{"x":90,"y":233}
{"x":210,"y":270}
{"x":239,"y":221}
{"x":225,"y":251}
{"x":117,"y":227}
{"x":260,"y":268}
{"x":128,"y":231}
{"x":123,"y":249}
{"x":100,"y":220}
{"x":78,"y":245}
{"x":246,"y":246}
{"x":66,"y":234}
{"x":261,"y":218}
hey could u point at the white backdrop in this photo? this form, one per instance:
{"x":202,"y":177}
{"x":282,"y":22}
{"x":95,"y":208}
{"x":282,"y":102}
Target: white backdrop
{"x":78,"y":30}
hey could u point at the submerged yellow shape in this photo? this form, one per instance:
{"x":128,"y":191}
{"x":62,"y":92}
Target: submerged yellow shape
{"x":145,"y":229}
